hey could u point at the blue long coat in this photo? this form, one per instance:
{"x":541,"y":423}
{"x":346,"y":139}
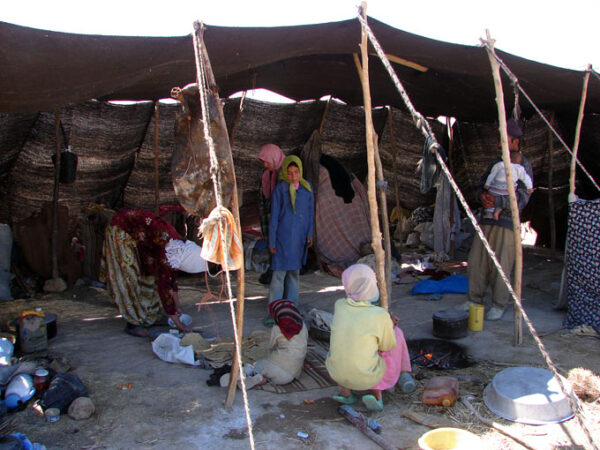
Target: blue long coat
{"x":288,"y":231}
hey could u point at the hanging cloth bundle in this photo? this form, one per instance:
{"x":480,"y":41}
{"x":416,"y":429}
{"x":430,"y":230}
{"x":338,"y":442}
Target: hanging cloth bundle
{"x":68,"y":162}
{"x":212,"y":248}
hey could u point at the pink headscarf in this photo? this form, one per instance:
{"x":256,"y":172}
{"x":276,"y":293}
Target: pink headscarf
{"x":360,"y":282}
{"x":272,"y":154}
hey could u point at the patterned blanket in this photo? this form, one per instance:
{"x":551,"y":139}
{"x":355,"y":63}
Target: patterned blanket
{"x":583,"y":264}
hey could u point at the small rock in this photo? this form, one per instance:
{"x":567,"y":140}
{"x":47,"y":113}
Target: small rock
{"x":81,"y":408}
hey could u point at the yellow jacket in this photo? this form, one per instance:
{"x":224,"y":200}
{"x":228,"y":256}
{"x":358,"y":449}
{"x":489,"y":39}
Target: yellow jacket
{"x":358,"y":331}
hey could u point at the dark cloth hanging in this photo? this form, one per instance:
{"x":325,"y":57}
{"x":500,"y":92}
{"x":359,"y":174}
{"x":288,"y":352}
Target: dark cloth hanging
{"x":340,"y":178}
{"x":430,"y":169}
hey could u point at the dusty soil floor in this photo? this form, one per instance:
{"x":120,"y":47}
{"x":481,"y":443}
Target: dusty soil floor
{"x":171,"y":406}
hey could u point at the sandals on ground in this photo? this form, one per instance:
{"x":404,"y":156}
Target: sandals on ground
{"x":372,"y":403}
{"x":345,"y":400}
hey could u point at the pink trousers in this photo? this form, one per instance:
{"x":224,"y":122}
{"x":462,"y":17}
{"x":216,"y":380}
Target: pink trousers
{"x":397,"y":360}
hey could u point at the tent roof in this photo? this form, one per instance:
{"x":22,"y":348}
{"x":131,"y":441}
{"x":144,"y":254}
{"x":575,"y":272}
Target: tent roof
{"x":43,"y":69}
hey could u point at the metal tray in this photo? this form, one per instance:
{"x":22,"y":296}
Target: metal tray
{"x":528,"y":395}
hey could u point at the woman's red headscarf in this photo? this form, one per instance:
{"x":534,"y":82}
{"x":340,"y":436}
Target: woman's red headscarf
{"x":272,"y":154}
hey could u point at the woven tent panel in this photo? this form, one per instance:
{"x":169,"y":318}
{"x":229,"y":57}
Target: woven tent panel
{"x":14,"y":129}
{"x":287,"y":125}
{"x":139,"y":191}
{"x":408,"y":144}
{"x":105,"y":138}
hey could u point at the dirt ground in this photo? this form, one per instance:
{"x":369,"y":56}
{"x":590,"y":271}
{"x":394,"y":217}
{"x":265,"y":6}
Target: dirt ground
{"x":171,"y":406}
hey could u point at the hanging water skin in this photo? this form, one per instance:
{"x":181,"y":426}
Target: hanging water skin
{"x":190,"y":166}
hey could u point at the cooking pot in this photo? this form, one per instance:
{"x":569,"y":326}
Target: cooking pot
{"x":450,"y":323}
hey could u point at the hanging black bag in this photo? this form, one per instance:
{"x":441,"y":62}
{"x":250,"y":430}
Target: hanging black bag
{"x":68,"y":166}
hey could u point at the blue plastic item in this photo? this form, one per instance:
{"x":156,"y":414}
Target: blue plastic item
{"x":454,"y":284}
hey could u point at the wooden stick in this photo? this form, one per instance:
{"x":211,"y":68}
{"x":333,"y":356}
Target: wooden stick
{"x":375,"y":231}
{"x":384,"y":218}
{"x":238,"y":116}
{"x":239,"y":311}
{"x":324,"y":116}
{"x":156,"y":184}
{"x":550,"y":190}
{"x":518,"y":319}
{"x":586,"y":78}
{"x":495,"y":425}
{"x":54,"y":235}
{"x":362,"y":426}
{"x":394,"y":160}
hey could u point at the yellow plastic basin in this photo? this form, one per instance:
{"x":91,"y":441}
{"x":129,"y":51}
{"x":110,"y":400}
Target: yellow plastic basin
{"x":449,"y":439}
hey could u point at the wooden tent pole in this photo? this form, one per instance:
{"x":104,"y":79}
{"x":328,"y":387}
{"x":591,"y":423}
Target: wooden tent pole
{"x":384,"y":217}
{"x":375,"y":231}
{"x":238,"y":116}
{"x":586,"y":78}
{"x":394,"y":160}
{"x":156,"y":183}
{"x":235,"y":210}
{"x":518,"y":319}
{"x":322,"y":124}
{"x":54,"y":234}
{"x":551,"y":190}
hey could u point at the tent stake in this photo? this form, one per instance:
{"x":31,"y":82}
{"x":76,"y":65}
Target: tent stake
{"x":518,"y":329}
{"x":375,"y":231}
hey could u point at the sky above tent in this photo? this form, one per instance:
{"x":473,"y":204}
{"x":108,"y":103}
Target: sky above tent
{"x":561,"y":33}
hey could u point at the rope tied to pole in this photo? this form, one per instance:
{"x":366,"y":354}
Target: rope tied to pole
{"x":215,"y":175}
{"x":426,"y":130}
{"x":514,"y":79}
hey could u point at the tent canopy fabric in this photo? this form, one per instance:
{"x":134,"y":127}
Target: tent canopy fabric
{"x":42,"y":70}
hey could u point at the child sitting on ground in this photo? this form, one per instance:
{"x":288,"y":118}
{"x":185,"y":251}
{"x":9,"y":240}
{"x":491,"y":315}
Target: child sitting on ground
{"x":496,"y":184}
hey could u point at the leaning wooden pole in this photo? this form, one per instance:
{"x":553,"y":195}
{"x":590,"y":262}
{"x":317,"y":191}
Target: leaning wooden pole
{"x":239,"y":307}
{"x":518,"y":329}
{"x":551,"y":206}
{"x":586,"y":79}
{"x":381,"y":185}
{"x":156,"y":180}
{"x":375,"y":231}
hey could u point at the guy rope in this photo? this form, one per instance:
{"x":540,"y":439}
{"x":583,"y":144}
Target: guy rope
{"x":423,"y":126}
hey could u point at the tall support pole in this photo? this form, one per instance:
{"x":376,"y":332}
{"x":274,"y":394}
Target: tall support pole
{"x":156,"y":183}
{"x":518,"y":319}
{"x":551,"y":190}
{"x":586,"y":79}
{"x":394,"y":151}
{"x":375,"y":230}
{"x":381,"y":185}
{"x":54,"y":235}
{"x":235,"y":210}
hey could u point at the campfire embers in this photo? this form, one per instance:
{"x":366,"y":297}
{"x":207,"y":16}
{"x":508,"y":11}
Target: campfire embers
{"x":438,"y":354}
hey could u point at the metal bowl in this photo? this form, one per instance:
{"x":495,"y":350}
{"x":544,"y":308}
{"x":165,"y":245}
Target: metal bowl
{"x":528,"y":395}
{"x":318,"y":333}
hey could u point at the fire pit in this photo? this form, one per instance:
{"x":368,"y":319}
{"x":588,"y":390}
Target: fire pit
{"x":438,"y":354}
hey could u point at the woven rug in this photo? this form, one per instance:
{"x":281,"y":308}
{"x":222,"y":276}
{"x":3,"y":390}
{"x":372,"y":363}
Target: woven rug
{"x":313,"y":376}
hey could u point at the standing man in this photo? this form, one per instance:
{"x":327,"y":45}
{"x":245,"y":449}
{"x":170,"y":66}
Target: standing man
{"x":481,"y":270}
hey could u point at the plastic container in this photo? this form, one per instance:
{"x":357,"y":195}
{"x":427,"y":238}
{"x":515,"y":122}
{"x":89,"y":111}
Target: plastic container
{"x":476,"y":317}
{"x":440,"y":391}
{"x":33,"y":335}
{"x":449,"y":439}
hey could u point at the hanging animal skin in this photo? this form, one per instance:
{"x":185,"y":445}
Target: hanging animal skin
{"x":190,"y":166}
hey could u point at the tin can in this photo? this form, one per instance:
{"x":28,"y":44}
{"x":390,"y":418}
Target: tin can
{"x":52,"y":414}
